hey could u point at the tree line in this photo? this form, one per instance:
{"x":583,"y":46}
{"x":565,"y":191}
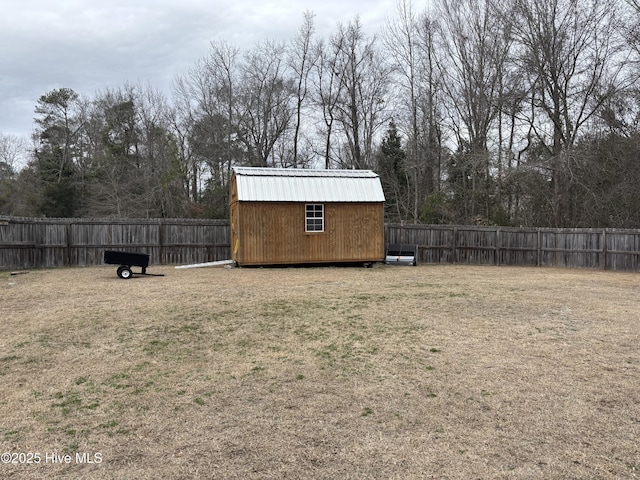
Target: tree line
{"x":507,"y":112}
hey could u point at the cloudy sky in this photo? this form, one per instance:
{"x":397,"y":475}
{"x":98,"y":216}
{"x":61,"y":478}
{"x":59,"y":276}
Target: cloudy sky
{"x":91,"y":45}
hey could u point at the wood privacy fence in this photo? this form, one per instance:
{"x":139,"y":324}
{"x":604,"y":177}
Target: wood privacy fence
{"x":35,"y":242}
{"x":606,"y":249}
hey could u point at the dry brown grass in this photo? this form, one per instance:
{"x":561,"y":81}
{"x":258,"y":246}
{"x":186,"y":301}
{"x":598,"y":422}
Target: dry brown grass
{"x":427,"y":372}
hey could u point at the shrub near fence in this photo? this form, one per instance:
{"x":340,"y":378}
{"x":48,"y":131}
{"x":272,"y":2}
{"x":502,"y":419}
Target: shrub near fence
{"x":51,"y":242}
{"x":47,"y":242}
{"x":607,"y":249}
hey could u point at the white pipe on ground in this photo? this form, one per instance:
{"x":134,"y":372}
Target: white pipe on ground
{"x":208,"y":264}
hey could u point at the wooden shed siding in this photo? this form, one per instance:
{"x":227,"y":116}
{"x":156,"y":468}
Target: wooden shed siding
{"x":274,"y":233}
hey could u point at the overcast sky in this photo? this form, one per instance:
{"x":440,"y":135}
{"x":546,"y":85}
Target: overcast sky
{"x":91,"y":45}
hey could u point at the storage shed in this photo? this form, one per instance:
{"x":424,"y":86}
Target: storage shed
{"x":294,"y":216}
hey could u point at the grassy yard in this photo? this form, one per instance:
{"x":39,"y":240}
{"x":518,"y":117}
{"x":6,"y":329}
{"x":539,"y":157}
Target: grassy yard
{"x":329,"y":373}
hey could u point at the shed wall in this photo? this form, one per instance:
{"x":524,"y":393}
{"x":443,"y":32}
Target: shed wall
{"x":234,"y":219}
{"x":274,"y":233}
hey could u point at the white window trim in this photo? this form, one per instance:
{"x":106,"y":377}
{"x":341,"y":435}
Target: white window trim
{"x":307,"y":217}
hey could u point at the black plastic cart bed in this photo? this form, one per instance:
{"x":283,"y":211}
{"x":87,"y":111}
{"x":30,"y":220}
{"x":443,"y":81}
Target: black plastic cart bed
{"x":126,"y":260}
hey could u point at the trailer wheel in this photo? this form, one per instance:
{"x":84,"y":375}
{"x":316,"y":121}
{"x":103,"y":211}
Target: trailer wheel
{"x":124,"y":272}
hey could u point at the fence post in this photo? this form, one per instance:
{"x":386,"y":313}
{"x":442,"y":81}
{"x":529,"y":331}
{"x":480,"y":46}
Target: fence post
{"x":160,"y":242}
{"x":604,"y":249}
{"x":539,"y":248}
{"x":636,"y":247}
{"x":497,"y":249}
{"x":67,"y":260}
{"x":453,"y":245}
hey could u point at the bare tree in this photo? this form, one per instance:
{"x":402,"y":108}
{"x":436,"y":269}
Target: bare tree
{"x":632,"y":27}
{"x":266,"y":103}
{"x":303,"y":56}
{"x":476,"y":49}
{"x":327,"y":91}
{"x":13,"y":151}
{"x":214,"y":83}
{"x":622,"y":114}
{"x":409,"y":41}
{"x":224,"y":66}
{"x":570,"y":52}
{"x":363,"y":77}
{"x":158,"y":149}
{"x":430,"y":106}
{"x":117,"y":167}
{"x":182,"y":119}
{"x":206,"y":125}
{"x":401,"y":39}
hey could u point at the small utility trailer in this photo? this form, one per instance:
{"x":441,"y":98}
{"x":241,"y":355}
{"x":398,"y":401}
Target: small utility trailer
{"x":126,"y":260}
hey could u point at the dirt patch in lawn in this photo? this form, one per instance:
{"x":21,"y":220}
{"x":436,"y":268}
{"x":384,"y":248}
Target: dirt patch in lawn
{"x":426,"y":372}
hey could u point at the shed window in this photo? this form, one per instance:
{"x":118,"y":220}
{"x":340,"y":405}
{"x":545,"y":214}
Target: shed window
{"x":314,"y":217}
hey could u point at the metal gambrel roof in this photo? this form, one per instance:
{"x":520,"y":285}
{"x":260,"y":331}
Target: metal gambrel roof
{"x":301,"y":185}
